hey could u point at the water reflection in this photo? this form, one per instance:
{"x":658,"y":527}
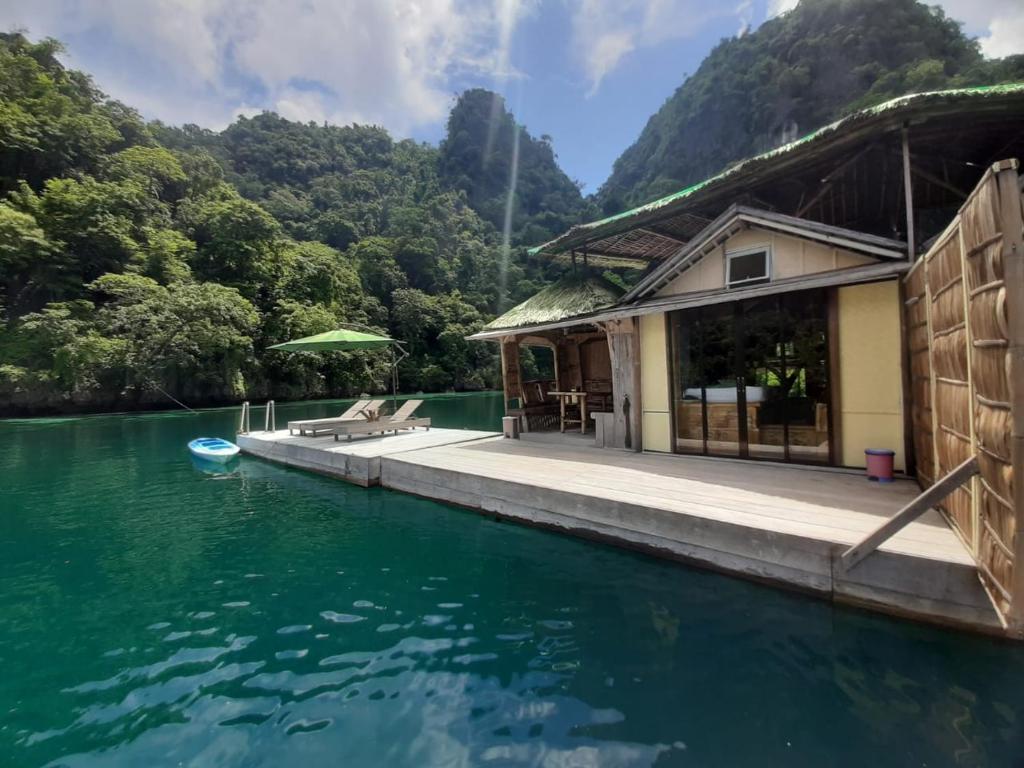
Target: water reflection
{"x":150,"y":617}
{"x":214,"y":468}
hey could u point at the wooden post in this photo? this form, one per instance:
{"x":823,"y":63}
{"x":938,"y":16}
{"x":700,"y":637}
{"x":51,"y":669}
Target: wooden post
{"x":1013,"y":273}
{"x":624,"y":351}
{"x":511,"y":377}
{"x":908,"y":194}
{"x":835,"y":395}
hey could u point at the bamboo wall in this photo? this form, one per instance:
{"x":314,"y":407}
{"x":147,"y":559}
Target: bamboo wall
{"x":963,"y":319}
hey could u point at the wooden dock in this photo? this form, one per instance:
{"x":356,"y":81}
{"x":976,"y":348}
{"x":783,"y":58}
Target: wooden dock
{"x":357,"y":461}
{"x":782,"y":524}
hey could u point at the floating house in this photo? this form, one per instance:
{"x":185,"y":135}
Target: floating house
{"x":860,"y":289}
{"x":856,"y":295}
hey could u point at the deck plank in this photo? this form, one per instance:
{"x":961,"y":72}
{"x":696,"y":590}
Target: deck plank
{"x":847,"y":508}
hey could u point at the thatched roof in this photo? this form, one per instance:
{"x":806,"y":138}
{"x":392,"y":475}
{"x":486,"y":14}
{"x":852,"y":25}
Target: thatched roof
{"x":573,"y":295}
{"x":671,"y":217}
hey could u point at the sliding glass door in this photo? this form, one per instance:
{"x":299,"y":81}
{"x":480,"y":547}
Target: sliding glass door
{"x":751,"y":378}
{"x":706,"y":417}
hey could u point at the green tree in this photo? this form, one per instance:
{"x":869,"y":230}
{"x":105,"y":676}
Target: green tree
{"x":194,"y":339}
{"x":237,"y":242}
{"x":24,"y":248}
{"x":154,"y":168}
{"x":94,"y":227}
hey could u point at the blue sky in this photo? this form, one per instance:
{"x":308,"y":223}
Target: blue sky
{"x":588,"y":73}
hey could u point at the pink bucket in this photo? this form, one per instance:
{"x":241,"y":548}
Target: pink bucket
{"x":879,"y":464}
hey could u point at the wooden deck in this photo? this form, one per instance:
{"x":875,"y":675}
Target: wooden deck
{"x":357,"y":460}
{"x":783,"y":524}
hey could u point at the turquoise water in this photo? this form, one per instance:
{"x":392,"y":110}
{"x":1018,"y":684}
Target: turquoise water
{"x":153,"y":614}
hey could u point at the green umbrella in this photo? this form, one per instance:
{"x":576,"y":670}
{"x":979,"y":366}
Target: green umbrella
{"x":345,"y":339}
{"x":339,"y":340}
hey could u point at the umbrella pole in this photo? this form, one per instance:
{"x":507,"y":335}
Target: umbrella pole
{"x":394,"y":379}
{"x":395,"y":360}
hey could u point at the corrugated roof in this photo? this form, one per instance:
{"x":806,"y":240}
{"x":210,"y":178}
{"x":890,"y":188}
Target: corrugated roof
{"x":900,"y":108}
{"x":574,"y":294}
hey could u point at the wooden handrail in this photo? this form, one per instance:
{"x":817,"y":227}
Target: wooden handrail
{"x":928,"y":499}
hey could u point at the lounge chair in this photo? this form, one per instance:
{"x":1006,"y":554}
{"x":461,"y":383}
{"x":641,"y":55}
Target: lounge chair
{"x":356,"y":412}
{"x":399,"y":420}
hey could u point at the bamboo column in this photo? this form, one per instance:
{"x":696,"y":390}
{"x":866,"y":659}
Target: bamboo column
{"x":1013,"y":274}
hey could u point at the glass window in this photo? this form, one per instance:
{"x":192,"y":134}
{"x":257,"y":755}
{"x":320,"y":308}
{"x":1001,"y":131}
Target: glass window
{"x":747,"y":268}
{"x":752,"y":378}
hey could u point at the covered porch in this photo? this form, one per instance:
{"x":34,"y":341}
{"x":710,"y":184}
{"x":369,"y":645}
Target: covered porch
{"x":565,"y":374}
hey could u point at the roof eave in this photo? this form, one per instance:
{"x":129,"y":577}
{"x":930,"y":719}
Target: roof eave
{"x":850,"y":276}
{"x":887,"y":116}
{"x":848,"y":239}
{"x":496,"y":334}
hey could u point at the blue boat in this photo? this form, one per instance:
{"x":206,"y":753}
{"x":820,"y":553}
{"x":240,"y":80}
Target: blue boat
{"x":213,"y":449}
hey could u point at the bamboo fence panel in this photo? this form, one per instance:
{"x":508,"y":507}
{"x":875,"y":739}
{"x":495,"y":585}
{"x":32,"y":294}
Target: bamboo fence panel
{"x":919,"y":350}
{"x":965,"y":320}
{"x":952,"y":405}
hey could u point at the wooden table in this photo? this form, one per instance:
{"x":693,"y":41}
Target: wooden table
{"x":564,"y":398}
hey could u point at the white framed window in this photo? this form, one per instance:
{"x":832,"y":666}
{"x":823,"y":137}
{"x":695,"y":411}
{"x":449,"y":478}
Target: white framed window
{"x":749,"y":266}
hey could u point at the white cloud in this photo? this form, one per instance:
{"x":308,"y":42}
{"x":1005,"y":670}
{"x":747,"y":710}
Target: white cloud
{"x":1005,"y":35}
{"x":604,"y":32}
{"x":384,"y":61}
{"x":998,"y":24}
{"x":779,"y":7}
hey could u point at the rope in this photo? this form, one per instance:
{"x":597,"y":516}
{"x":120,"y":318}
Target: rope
{"x":173,"y":398}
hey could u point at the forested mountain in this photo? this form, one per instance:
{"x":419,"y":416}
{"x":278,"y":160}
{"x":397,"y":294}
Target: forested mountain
{"x":140,"y":259}
{"x":793,"y":74}
{"x":477,"y":156}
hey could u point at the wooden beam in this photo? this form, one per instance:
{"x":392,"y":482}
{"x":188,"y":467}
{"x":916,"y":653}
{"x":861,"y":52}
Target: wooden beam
{"x":933,"y":179}
{"x":835,"y":403}
{"x":909,"y":513}
{"x":814,"y":199}
{"x":659,"y":233}
{"x":908,"y":194}
{"x":830,"y":180}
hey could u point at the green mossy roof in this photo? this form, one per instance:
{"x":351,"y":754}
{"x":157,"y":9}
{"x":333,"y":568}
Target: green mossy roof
{"x":963,"y":98}
{"x":571,"y":296}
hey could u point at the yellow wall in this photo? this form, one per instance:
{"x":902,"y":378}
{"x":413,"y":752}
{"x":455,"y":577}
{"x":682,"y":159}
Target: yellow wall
{"x":870,"y":385}
{"x":654,"y":392}
{"x":791,"y":257}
